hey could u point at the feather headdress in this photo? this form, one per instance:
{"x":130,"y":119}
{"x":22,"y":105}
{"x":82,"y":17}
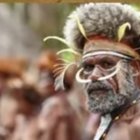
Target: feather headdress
{"x":115,"y":21}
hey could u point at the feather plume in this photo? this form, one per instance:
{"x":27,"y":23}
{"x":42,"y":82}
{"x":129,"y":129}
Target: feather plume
{"x":57,"y":38}
{"x":67,"y":59}
{"x":122,"y":29}
{"x":80,"y":26}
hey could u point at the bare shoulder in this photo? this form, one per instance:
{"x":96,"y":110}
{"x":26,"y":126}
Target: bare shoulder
{"x":136,"y":120}
{"x":127,"y":127}
{"x":135,"y":125}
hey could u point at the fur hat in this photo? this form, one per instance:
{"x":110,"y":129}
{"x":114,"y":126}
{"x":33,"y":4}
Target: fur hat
{"x":102,"y":19}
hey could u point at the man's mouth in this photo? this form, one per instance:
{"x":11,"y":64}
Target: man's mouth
{"x":97,"y":91}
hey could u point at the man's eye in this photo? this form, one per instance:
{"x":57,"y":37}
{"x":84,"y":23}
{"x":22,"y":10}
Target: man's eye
{"x":88,"y":68}
{"x":107,"y":65}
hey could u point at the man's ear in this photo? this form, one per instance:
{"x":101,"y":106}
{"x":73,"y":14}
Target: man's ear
{"x":70,"y":77}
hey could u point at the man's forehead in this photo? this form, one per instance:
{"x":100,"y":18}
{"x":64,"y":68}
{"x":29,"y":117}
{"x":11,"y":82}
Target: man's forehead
{"x":100,"y":45}
{"x":101,"y":57}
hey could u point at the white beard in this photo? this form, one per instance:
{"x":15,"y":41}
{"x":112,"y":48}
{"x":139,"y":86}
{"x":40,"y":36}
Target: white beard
{"x":109,"y":100}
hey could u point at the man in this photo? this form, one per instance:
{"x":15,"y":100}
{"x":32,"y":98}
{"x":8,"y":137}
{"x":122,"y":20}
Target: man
{"x":108,"y":35}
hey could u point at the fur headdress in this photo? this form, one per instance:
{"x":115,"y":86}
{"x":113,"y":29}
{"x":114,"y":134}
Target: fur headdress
{"x":102,"y":19}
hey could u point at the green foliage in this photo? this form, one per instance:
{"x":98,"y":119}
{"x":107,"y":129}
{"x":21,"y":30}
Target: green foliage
{"x":69,"y":57}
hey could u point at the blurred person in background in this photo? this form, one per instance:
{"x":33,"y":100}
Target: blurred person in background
{"x":10,"y":68}
{"x":56,"y":119}
{"x":23,"y":91}
{"x":45,"y":65}
{"x":60,"y":115}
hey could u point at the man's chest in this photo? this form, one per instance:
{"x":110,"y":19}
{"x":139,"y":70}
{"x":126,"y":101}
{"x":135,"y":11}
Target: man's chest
{"x":118,"y":130}
{"x":123,"y":131}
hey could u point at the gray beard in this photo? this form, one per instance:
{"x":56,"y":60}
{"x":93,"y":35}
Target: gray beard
{"x":109,"y":100}
{"x":105,"y":104}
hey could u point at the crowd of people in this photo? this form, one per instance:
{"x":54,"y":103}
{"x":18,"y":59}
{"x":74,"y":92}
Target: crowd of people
{"x":31,"y":108}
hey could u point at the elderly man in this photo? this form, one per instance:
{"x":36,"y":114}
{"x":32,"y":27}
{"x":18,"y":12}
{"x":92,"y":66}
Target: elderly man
{"x":108,"y":35}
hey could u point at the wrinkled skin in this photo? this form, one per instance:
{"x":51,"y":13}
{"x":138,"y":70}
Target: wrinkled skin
{"x":116,"y":92}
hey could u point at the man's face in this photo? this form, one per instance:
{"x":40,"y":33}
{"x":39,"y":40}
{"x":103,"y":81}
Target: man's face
{"x":106,"y":95}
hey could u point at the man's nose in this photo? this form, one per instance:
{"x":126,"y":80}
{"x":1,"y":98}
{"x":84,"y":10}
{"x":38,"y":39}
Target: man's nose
{"x":96,"y":73}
